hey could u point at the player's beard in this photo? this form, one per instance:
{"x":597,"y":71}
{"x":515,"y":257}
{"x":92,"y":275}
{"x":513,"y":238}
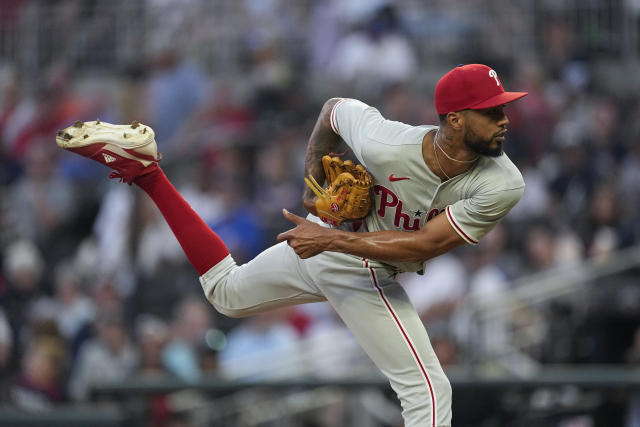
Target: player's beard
{"x":482,"y":146}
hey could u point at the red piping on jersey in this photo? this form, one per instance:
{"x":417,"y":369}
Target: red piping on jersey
{"x":332,"y":116}
{"x":407,"y":340}
{"x":457,"y":227}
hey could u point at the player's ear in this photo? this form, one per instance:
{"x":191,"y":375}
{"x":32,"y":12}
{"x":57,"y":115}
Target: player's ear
{"x":456,"y":120}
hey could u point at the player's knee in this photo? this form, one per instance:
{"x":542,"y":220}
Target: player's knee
{"x":232,"y":312}
{"x":444,"y":396}
{"x":441,"y":384}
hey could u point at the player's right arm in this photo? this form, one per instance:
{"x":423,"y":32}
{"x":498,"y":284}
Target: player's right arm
{"x":466,"y":221}
{"x":434,"y":238}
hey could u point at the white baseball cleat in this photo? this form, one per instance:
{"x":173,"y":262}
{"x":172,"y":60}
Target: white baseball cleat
{"x":130,"y":150}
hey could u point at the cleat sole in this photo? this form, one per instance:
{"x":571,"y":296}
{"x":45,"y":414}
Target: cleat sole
{"x":138,"y":145}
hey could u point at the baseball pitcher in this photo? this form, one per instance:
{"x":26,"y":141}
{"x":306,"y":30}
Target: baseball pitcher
{"x":418,"y":192}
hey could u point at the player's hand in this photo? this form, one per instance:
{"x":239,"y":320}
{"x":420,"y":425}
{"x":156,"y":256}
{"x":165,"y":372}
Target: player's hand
{"x":347,"y":196}
{"x":306,"y":238}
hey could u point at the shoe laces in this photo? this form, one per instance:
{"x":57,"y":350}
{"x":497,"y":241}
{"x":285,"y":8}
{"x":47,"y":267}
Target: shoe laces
{"x":129,"y":174}
{"x":123,"y":177}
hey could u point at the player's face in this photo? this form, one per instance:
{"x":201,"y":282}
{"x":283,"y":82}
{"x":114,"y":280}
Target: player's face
{"x":485,"y":130}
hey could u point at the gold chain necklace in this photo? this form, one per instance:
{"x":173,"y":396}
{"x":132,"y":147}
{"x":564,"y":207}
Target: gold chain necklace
{"x":435,"y":140}
{"x":435,"y":154}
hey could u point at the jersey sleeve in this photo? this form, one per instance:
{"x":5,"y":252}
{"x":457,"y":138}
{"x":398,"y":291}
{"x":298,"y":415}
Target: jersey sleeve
{"x":474,"y":217}
{"x":353,"y":120}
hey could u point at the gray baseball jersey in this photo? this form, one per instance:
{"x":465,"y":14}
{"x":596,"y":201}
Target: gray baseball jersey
{"x":365,"y":293}
{"x":407,"y":193}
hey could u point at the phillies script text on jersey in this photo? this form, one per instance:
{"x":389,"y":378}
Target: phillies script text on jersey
{"x":389,"y":199}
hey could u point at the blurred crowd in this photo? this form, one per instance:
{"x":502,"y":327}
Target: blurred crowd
{"x":93,"y":285}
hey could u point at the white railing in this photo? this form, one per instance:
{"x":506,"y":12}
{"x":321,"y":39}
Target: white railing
{"x":331,"y":354}
{"x":316,"y":356}
{"x":542,"y":287}
{"x":530,"y":294}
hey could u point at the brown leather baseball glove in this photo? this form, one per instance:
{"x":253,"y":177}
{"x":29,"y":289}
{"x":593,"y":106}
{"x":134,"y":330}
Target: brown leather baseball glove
{"x":347,"y":196}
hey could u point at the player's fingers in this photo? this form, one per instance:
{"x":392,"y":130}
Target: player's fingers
{"x":345,"y":178}
{"x":328,"y":169}
{"x":285,"y":235}
{"x":305,"y":253}
{"x":323,"y":192}
{"x":336,"y":166}
{"x":293,"y":217}
{"x":367,"y":178}
{"x":314,"y":186}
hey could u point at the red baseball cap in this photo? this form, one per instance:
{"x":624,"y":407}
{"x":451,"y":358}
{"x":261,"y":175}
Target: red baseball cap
{"x":471,"y":86}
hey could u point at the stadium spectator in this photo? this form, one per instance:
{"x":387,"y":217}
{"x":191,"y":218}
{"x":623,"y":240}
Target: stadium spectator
{"x":74,"y":310}
{"x":606,"y":231}
{"x":267,"y":336}
{"x":152,"y":335}
{"x":376,"y":52}
{"x":11,"y":100}
{"x":437,"y":293}
{"x":53,"y":107}
{"x":191,"y":321}
{"x":6,"y":348}
{"x":176,"y":89}
{"x":488,"y":278}
{"x":41,"y":202}
{"x":40,"y":384}
{"x":23,"y":268}
{"x":109,"y":356}
{"x":6,"y":341}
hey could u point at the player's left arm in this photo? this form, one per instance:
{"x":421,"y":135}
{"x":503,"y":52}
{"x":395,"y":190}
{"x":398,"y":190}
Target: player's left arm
{"x":323,"y":140}
{"x":348,"y":124}
{"x":434,"y":238}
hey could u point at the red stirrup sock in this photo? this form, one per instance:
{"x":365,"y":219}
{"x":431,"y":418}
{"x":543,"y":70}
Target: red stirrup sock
{"x":203,"y":247}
